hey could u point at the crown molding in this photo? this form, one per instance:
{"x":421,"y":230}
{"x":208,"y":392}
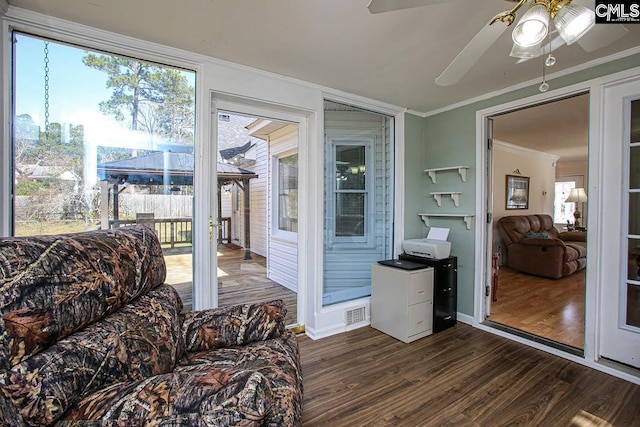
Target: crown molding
{"x":523,"y":151}
{"x":536,"y":81}
{"x":4,"y":7}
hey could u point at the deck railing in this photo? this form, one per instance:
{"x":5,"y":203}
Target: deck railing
{"x":170,"y":231}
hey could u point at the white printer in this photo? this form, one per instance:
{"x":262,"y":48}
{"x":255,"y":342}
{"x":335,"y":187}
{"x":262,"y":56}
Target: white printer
{"x":435,"y":245}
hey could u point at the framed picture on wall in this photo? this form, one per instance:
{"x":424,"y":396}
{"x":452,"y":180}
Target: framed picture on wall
{"x":517,"y":194}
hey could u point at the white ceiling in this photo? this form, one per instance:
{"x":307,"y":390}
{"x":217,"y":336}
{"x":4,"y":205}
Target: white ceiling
{"x":392,"y":57}
{"x":560,"y":128}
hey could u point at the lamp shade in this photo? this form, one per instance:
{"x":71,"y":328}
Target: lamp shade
{"x":574,"y":21}
{"x":577,"y":195}
{"x":532,"y":27}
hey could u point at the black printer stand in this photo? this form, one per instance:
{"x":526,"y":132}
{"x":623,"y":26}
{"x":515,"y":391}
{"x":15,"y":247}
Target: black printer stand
{"x":445,"y":289}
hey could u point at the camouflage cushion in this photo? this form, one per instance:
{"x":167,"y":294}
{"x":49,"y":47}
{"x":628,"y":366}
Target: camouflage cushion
{"x":277,"y":359}
{"x":202,"y":397}
{"x":89,"y":336}
{"x":52,"y":286}
{"x":9,"y":414}
{"x":140,"y":340}
{"x":235,"y":325}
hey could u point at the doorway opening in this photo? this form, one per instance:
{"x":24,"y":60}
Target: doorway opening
{"x":539,"y":241}
{"x":257,"y":197}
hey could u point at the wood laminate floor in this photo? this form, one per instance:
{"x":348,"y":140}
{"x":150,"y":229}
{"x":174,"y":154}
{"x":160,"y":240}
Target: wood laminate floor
{"x":549,"y":308}
{"x":459,"y":377}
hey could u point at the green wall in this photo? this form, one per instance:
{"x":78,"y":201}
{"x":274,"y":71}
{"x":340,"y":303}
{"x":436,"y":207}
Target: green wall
{"x":414,"y":177}
{"x":448,"y":139}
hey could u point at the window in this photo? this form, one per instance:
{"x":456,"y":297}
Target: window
{"x":632,"y":317}
{"x":358,"y":199}
{"x":102,"y":141}
{"x":287,"y":175}
{"x":351,"y":191}
{"x":563,"y":212}
{"x":94,"y":135}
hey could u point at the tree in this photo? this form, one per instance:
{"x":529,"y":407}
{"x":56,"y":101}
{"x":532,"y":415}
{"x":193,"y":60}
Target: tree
{"x":152,"y":98}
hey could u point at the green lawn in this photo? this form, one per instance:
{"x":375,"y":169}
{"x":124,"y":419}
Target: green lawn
{"x":32,"y":228}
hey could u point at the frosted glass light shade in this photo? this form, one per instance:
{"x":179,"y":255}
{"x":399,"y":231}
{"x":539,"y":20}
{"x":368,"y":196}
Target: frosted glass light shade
{"x":526,"y":52}
{"x":532,"y":27}
{"x":574,"y":21}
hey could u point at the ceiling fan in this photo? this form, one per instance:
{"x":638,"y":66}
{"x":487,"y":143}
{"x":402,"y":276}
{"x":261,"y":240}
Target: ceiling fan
{"x":574,"y":22}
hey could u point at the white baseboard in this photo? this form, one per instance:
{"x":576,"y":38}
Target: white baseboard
{"x":465,"y":318}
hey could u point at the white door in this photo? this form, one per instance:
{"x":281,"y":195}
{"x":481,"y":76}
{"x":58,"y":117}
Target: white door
{"x":620,"y":282}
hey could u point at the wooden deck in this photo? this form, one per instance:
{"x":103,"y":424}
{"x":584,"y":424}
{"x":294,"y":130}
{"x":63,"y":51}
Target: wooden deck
{"x":239,"y":281}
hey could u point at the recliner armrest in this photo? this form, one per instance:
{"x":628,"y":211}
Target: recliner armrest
{"x":533,"y":241}
{"x":234,"y":325}
{"x":573,"y":236}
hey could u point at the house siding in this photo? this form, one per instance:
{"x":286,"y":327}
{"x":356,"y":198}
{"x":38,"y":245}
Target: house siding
{"x":347,"y":268}
{"x":258,"y":202}
{"x":282,"y":262}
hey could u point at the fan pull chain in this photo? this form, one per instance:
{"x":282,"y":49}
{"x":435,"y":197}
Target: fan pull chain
{"x":549,"y":62}
{"x":544,"y":86}
{"x":46,"y":90}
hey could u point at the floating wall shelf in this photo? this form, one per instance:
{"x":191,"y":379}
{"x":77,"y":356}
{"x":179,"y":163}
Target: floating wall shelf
{"x":468,"y":218}
{"x":455,"y":196}
{"x":462,"y":170}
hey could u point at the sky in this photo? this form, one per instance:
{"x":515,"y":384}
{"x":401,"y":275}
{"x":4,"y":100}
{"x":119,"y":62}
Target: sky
{"x":75,"y":90}
{"x":73,"y":87}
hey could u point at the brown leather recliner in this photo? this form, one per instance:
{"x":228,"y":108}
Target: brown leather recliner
{"x":534,"y":246}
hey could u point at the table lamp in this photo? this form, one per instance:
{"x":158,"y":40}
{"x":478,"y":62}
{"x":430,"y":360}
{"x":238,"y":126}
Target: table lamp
{"x":577,"y":195}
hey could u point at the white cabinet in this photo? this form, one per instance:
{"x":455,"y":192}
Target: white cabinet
{"x":402,"y":302}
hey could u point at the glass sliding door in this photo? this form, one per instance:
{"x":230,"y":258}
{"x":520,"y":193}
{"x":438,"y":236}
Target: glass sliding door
{"x":102,"y":141}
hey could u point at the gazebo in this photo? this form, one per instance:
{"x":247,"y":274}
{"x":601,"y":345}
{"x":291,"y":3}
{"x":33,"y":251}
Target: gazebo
{"x":172,"y":169}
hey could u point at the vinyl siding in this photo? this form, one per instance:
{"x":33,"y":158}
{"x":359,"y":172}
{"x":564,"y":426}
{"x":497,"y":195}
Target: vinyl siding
{"x":258,"y":202}
{"x":282,"y":262}
{"x":347,"y":267}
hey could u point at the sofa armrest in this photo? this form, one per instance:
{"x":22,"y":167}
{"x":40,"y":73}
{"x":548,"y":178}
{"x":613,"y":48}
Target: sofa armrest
{"x":233,"y":326}
{"x":573,"y":236}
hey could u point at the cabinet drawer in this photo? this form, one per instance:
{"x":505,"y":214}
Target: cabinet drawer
{"x":420,"y":288}
{"x":419,"y":318}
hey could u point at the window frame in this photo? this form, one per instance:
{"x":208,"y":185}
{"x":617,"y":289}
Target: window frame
{"x":275,"y":202}
{"x":367,"y":239}
{"x":579,"y":181}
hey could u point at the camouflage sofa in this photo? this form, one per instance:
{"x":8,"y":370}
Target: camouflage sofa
{"x":90,"y":336}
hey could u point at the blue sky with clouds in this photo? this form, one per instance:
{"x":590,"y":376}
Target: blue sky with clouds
{"x":73,"y":87}
{"x":75,"y":90}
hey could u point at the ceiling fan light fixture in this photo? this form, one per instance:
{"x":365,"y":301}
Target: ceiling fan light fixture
{"x":526,"y":52}
{"x":574,"y":21}
{"x":532,"y":27}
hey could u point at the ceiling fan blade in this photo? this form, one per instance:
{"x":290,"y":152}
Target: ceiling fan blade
{"x":600,"y":35}
{"x":379,"y":6}
{"x":471,"y":53}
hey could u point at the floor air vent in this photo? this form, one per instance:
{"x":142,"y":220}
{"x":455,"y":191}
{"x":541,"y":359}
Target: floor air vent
{"x":356,"y":315}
